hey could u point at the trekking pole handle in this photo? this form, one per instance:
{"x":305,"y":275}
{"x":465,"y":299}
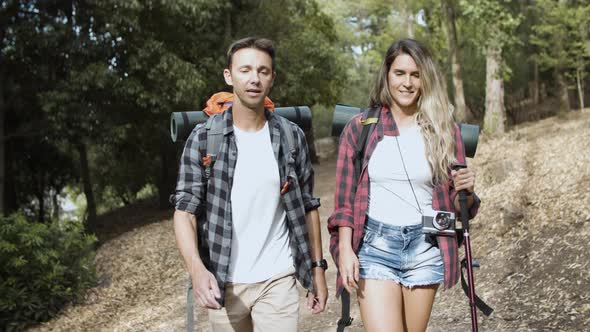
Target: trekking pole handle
{"x":463,"y":201}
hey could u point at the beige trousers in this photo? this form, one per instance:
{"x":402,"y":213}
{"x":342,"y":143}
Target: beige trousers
{"x":271,"y":305}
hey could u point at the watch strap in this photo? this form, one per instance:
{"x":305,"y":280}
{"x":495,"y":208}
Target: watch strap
{"x":321,"y":263}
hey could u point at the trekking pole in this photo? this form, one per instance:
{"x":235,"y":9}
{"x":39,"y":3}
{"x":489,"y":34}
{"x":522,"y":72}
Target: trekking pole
{"x":467,"y":239}
{"x":469,"y":262}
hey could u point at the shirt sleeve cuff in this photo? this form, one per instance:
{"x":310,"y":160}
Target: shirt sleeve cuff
{"x":312,"y":204}
{"x":340,"y":219}
{"x":186,"y":202}
{"x":473,"y":209}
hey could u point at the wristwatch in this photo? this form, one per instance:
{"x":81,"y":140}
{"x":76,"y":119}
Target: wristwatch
{"x":323,"y":264}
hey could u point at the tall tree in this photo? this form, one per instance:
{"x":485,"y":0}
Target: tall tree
{"x":462,"y":113}
{"x":499,"y":26}
{"x":408,"y":17}
{"x":2,"y":148}
{"x":6,"y":14}
{"x":562,"y":37}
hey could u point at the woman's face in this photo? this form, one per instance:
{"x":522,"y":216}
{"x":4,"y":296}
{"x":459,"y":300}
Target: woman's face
{"x":404,"y":81}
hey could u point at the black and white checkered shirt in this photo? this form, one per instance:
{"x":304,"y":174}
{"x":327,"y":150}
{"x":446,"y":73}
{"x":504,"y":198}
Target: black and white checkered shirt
{"x":212,"y":205}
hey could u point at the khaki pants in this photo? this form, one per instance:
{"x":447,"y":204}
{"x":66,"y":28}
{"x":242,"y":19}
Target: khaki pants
{"x":271,"y":305}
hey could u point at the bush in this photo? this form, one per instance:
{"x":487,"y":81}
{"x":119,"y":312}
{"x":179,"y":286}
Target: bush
{"x":42,"y":267}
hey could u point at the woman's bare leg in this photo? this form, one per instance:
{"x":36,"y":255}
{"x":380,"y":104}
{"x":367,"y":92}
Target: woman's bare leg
{"x":417,"y":305}
{"x":381,"y":305}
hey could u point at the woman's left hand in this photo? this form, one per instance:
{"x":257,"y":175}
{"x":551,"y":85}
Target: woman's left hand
{"x":463,"y":179}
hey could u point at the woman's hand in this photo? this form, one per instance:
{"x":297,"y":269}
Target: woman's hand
{"x":463,"y":179}
{"x":348,"y":264}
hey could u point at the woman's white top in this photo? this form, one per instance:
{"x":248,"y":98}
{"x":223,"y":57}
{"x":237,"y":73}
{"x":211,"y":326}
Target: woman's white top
{"x":391,"y":200}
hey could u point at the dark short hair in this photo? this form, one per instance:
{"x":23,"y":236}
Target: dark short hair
{"x":261,"y":44}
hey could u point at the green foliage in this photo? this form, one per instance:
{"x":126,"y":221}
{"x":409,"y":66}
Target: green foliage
{"x":322,"y":120}
{"x":500,"y":22}
{"x":497,"y":18}
{"x":42,"y":266}
{"x":562,"y":34}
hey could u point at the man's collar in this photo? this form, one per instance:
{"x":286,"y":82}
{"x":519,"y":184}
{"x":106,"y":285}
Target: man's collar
{"x":228,"y":121}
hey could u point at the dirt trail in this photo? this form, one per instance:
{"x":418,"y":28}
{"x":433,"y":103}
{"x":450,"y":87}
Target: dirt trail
{"x":530,"y":238}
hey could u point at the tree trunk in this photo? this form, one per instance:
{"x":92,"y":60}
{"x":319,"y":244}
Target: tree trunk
{"x":495,"y":113}
{"x":536,"y":99}
{"x":2,"y":149}
{"x":87,"y":184}
{"x":579,"y":83}
{"x":408,"y":19}
{"x":168,"y":171}
{"x":564,"y":101}
{"x":462,"y":113}
{"x":55,"y":201}
{"x":41,"y":195}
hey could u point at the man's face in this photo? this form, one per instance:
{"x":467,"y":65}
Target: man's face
{"x":252,"y":76}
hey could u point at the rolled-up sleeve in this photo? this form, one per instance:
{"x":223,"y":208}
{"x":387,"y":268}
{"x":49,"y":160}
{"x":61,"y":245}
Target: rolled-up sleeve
{"x":474,"y":207}
{"x":345,"y":182}
{"x":306,"y":180}
{"x":190,"y":185}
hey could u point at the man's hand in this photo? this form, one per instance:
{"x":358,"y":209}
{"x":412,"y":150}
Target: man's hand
{"x":205,"y":289}
{"x":317,"y":302}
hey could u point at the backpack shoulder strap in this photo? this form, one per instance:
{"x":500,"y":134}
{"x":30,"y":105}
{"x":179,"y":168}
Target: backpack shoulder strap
{"x":212,"y":145}
{"x":287,"y":130}
{"x":368,"y":121}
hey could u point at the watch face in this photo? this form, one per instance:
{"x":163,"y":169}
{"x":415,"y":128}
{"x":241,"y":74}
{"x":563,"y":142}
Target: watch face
{"x":323,"y":264}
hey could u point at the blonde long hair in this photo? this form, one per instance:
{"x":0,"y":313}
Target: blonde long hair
{"x":435,"y":112}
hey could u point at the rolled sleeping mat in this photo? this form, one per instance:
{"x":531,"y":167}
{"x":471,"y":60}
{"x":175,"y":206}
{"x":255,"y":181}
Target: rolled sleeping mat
{"x":300,"y":115}
{"x":469,"y":136}
{"x":343,"y":113}
{"x":182,"y":123}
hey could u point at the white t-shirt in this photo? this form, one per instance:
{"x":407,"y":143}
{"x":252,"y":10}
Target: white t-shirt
{"x":260,"y":238}
{"x":391,"y":199}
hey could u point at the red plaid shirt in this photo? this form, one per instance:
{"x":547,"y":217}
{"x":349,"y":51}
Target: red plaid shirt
{"x":351,"y":199}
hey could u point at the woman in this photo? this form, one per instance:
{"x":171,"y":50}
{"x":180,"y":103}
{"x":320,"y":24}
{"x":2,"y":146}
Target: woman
{"x":377,"y":238}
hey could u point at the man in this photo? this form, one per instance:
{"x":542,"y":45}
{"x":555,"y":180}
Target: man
{"x":245,"y":229}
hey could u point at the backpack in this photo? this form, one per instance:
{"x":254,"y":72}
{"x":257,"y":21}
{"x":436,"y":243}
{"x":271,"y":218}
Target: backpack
{"x":211,"y":147}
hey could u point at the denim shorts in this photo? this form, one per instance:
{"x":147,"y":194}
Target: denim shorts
{"x":400,"y":254}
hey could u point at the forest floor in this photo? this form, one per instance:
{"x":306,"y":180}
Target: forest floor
{"x":530,"y":237}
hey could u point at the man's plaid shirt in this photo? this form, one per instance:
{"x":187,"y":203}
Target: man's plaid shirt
{"x":351,"y":199}
{"x":212,"y":205}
